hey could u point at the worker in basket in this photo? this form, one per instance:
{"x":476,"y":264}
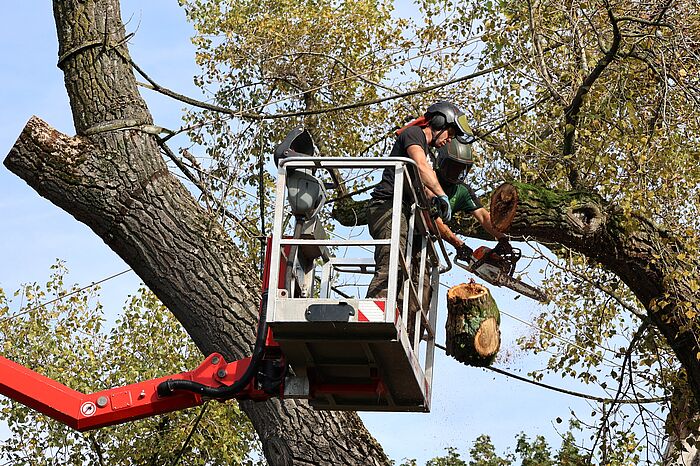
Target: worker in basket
{"x":453,"y":163}
{"x":435,"y":129}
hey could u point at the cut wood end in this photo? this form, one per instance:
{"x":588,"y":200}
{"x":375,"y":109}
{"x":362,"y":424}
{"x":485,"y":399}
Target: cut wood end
{"x":487,"y":340}
{"x":49,"y":140}
{"x":504,"y":205}
{"x":466,"y":291}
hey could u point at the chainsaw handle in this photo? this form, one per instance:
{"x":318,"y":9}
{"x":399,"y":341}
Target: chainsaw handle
{"x":462,"y":264}
{"x":506,"y":252}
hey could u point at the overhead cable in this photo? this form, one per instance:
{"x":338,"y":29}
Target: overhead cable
{"x":571,"y":392}
{"x":32,"y":309}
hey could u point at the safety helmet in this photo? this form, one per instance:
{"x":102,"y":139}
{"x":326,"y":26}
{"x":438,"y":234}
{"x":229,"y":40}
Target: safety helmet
{"x":454,"y":160}
{"x":443,"y":115}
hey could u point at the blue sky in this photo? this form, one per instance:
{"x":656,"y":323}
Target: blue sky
{"x":33,"y":234}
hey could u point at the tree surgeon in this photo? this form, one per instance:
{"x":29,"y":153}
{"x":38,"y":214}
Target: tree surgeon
{"x":452,"y":165}
{"x":454,"y":161}
{"x":436,"y":128}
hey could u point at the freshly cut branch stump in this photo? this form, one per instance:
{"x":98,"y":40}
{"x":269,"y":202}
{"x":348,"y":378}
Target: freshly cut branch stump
{"x":504,"y":204}
{"x":473,"y":335}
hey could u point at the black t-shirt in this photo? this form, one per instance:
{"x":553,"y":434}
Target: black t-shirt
{"x":413,"y":135}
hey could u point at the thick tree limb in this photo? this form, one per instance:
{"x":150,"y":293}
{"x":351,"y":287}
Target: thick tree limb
{"x":646,"y":258}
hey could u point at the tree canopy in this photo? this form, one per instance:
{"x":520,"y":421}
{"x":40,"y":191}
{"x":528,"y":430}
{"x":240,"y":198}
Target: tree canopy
{"x":595,"y":100}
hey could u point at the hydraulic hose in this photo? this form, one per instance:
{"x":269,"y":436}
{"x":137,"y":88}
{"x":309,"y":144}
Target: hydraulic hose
{"x":228,"y":391}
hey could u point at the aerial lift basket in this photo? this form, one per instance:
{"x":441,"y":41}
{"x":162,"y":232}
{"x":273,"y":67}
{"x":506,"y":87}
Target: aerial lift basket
{"x":347,"y":352}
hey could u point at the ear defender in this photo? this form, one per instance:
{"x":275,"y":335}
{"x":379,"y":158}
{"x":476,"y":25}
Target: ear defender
{"x":438,"y":121}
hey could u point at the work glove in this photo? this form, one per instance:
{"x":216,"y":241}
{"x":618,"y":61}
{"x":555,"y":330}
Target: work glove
{"x":503,"y":247}
{"x":464,"y":253}
{"x":442,"y":204}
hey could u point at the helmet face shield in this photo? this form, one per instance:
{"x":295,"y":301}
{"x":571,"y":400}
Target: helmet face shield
{"x":463,"y":125}
{"x":454,"y":161}
{"x":452,"y":171}
{"x":459,"y":151}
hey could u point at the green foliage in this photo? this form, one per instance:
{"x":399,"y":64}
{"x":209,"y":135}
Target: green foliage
{"x":483,"y":453}
{"x":569,"y":454}
{"x":452,"y":459}
{"x":69,"y":342}
{"x":527,"y":453}
{"x":284,"y":57}
{"x":536,"y":453}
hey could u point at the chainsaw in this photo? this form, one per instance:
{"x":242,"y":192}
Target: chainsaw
{"x":497,"y":268}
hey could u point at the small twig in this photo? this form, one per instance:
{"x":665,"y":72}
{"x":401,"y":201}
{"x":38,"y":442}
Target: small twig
{"x":628,"y":354}
{"x":539,"y":53}
{"x":646,"y":22}
{"x":190,"y":176}
{"x":96,"y":446}
{"x":348,"y":68}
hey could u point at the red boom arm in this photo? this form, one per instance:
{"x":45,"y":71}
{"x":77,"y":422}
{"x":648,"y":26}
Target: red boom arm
{"x":116,"y":405}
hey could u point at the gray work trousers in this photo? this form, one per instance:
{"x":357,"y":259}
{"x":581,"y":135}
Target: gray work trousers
{"x":379,"y":223}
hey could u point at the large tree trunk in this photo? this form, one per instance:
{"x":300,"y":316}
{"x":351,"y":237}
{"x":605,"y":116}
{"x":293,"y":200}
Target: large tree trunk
{"x":115,"y":181}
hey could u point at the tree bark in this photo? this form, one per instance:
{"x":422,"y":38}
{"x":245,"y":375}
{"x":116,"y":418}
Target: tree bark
{"x":682,"y":425}
{"x":350,"y":212}
{"x":651,"y":262}
{"x":112,"y":178}
{"x":472,"y":333}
